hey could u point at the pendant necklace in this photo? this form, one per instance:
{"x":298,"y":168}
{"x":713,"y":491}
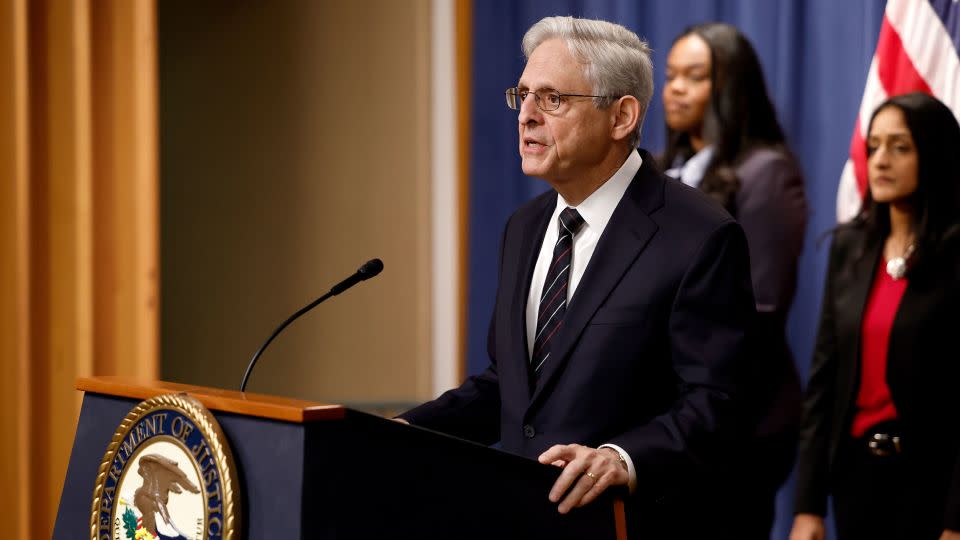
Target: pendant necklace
{"x":897,"y":266}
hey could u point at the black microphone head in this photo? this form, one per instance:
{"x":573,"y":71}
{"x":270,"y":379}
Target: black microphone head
{"x":370,"y":268}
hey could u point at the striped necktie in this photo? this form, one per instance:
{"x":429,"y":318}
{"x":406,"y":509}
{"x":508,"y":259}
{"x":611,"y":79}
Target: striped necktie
{"x":553,"y":299}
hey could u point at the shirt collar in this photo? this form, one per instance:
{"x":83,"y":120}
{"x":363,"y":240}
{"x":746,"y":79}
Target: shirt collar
{"x":691,"y":173}
{"x":599,"y":206}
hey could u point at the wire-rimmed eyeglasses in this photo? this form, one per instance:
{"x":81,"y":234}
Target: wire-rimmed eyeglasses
{"x":546,"y":99}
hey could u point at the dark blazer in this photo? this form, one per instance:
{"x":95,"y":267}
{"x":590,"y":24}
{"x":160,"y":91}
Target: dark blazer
{"x":771,"y":207}
{"x":651,"y":354}
{"x":922,"y":372}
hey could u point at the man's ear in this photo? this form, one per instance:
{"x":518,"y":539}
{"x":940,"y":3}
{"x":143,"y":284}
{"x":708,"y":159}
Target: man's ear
{"x":625,"y":114}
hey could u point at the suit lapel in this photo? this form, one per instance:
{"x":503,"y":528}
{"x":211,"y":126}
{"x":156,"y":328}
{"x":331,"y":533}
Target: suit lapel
{"x":534,"y":227}
{"x":854,"y":294}
{"x":923,"y":295}
{"x":626,"y":234}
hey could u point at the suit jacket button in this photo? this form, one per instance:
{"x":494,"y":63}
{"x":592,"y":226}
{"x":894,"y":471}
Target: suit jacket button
{"x":528,"y":431}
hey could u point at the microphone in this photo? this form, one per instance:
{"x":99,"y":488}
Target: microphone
{"x":369,"y":269}
{"x":365,"y":272}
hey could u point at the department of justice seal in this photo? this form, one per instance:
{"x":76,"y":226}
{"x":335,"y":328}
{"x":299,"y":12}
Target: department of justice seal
{"x":167,"y":474}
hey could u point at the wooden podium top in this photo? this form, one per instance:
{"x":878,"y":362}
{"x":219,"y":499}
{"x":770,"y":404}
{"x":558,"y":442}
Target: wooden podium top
{"x":245,"y":403}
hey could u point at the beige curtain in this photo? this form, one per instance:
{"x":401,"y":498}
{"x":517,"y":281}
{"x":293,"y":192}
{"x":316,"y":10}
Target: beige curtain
{"x":78,"y":229}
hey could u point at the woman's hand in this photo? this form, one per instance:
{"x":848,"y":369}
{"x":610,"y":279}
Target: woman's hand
{"x":809,"y":527}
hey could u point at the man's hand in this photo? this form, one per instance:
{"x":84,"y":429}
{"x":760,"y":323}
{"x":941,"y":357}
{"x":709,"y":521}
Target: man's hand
{"x":808,"y":527}
{"x":589,"y":471}
{"x":950,"y":535}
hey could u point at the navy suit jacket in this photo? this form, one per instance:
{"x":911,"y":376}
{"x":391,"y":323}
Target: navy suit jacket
{"x":652,"y":349}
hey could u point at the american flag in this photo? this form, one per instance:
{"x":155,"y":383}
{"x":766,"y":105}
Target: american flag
{"x":918,"y":51}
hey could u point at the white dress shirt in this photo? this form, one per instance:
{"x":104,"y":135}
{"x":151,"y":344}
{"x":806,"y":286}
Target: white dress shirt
{"x":596,"y":211}
{"x":691,"y":173}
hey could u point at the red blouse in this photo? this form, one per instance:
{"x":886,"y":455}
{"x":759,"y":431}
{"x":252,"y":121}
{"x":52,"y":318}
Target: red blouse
{"x":874,"y":404}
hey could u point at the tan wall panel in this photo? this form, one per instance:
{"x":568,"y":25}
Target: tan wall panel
{"x":52,"y":264}
{"x":15,"y":458}
{"x":125,"y":188}
{"x":144,"y":201}
{"x":294,"y":147}
{"x":61,"y":223}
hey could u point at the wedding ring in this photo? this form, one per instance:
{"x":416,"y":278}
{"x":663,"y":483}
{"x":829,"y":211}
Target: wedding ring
{"x":592,"y":476}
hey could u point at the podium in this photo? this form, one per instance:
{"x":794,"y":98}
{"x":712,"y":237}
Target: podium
{"x":308,"y":470}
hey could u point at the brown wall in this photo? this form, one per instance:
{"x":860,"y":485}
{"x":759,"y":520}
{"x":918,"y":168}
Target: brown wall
{"x":294,"y":146}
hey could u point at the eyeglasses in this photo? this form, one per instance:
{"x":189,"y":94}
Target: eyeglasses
{"x":546,"y":99}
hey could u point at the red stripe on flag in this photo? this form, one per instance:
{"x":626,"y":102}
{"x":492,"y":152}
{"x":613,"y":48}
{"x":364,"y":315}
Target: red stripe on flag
{"x":858,"y":154}
{"x":895,"y":69}
{"x":897,"y":75}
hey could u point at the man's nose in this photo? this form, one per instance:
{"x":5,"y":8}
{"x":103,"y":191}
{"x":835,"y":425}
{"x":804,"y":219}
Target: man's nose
{"x":529,"y":112}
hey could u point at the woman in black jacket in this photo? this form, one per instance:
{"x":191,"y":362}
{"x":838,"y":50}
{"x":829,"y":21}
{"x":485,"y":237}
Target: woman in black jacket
{"x":881,"y":427}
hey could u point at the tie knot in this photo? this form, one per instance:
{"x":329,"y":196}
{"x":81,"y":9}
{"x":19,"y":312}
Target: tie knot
{"x":571,"y":220}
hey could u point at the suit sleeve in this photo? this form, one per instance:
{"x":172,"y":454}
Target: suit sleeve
{"x":816,"y":425}
{"x":709,"y":329}
{"x":772,"y":209}
{"x":472,"y":410}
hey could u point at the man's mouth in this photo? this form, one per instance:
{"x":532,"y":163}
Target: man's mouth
{"x":532,"y":143}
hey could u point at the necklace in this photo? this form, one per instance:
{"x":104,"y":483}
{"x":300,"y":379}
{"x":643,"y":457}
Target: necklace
{"x":897,"y":266}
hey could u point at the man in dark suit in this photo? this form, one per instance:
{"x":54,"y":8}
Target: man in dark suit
{"x":622,"y":316}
